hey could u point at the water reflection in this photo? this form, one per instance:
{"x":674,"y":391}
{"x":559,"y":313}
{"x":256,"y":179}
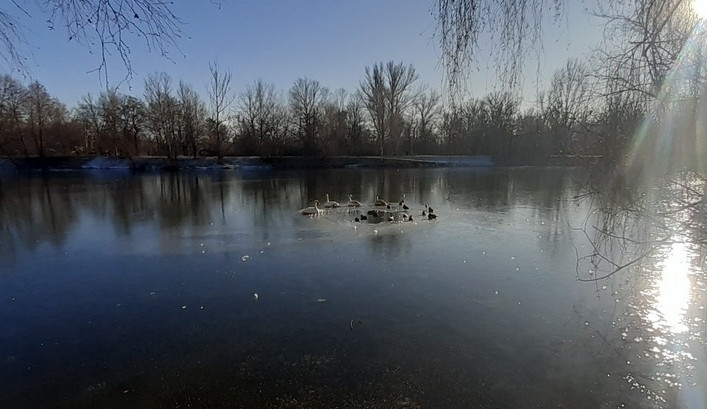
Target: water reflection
{"x":672,"y":290}
{"x":146,"y":284}
{"x":44,"y":208}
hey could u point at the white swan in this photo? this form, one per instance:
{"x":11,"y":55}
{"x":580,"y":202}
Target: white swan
{"x":312,"y":210}
{"x":330,"y":203}
{"x":380,"y":202}
{"x":353,"y":203}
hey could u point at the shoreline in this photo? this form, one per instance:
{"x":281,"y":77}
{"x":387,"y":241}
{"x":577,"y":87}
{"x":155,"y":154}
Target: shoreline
{"x":250,"y":163}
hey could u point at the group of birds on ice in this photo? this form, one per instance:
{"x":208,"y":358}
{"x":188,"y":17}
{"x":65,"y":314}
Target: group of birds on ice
{"x":381,"y":211}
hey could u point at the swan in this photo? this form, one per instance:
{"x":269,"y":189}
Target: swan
{"x":380,"y":202}
{"x":353,"y":203}
{"x":312,"y":210}
{"x":330,"y":203}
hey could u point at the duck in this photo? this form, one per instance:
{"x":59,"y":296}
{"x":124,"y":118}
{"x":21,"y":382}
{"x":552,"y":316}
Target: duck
{"x":330,"y":203}
{"x":363,"y":217}
{"x":353,"y":203}
{"x":402,"y":200}
{"x":356,"y":219}
{"x":380,"y":202}
{"x":431,"y":216}
{"x":312,"y":210}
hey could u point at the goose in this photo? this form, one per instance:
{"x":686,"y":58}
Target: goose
{"x":330,"y":203}
{"x":380,"y":202}
{"x":353,"y":203}
{"x":312,"y":210}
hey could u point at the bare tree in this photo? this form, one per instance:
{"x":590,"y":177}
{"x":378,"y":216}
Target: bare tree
{"x":107,"y":27}
{"x":387,"y":94}
{"x":192,"y":117}
{"x":262,"y":119}
{"x":109,"y":109}
{"x":162,"y":112}
{"x":133,"y":116}
{"x":12,"y":95}
{"x":356,"y":131}
{"x":88,"y":114}
{"x":220,"y":100}
{"x":567,"y":104}
{"x":307,"y":100}
{"x":373,"y":93}
{"x":427,"y":110}
{"x":38,"y":104}
{"x":643,"y":39}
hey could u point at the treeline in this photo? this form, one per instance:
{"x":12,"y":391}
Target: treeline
{"x":389,"y":114}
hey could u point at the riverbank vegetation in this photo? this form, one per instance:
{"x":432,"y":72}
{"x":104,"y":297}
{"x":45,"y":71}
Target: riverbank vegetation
{"x":390,"y":114}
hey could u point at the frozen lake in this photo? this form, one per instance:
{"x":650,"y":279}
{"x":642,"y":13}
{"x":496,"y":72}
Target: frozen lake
{"x":211,"y":290}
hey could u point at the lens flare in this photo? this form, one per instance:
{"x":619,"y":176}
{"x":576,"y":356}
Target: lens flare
{"x":700,"y":8}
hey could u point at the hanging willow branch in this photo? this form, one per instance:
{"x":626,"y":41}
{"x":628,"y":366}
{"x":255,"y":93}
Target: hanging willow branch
{"x":508,"y":29}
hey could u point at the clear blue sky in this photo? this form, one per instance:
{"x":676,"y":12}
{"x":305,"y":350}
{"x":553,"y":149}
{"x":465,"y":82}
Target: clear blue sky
{"x":279,"y":41}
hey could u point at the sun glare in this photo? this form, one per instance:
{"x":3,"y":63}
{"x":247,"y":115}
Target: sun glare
{"x":700,"y":7}
{"x":674,"y":289}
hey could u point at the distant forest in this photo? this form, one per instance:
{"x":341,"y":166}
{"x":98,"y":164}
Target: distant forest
{"x":390,"y":114}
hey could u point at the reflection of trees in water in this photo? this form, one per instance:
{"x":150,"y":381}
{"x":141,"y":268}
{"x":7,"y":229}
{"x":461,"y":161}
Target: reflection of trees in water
{"x":34,"y":211}
{"x":40,"y":209}
{"x":628,"y":223}
{"x":647,"y":240}
{"x":182,"y":198}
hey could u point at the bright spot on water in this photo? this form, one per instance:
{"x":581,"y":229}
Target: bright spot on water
{"x":672,"y":290}
{"x":255,"y":296}
{"x":184,"y":307}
